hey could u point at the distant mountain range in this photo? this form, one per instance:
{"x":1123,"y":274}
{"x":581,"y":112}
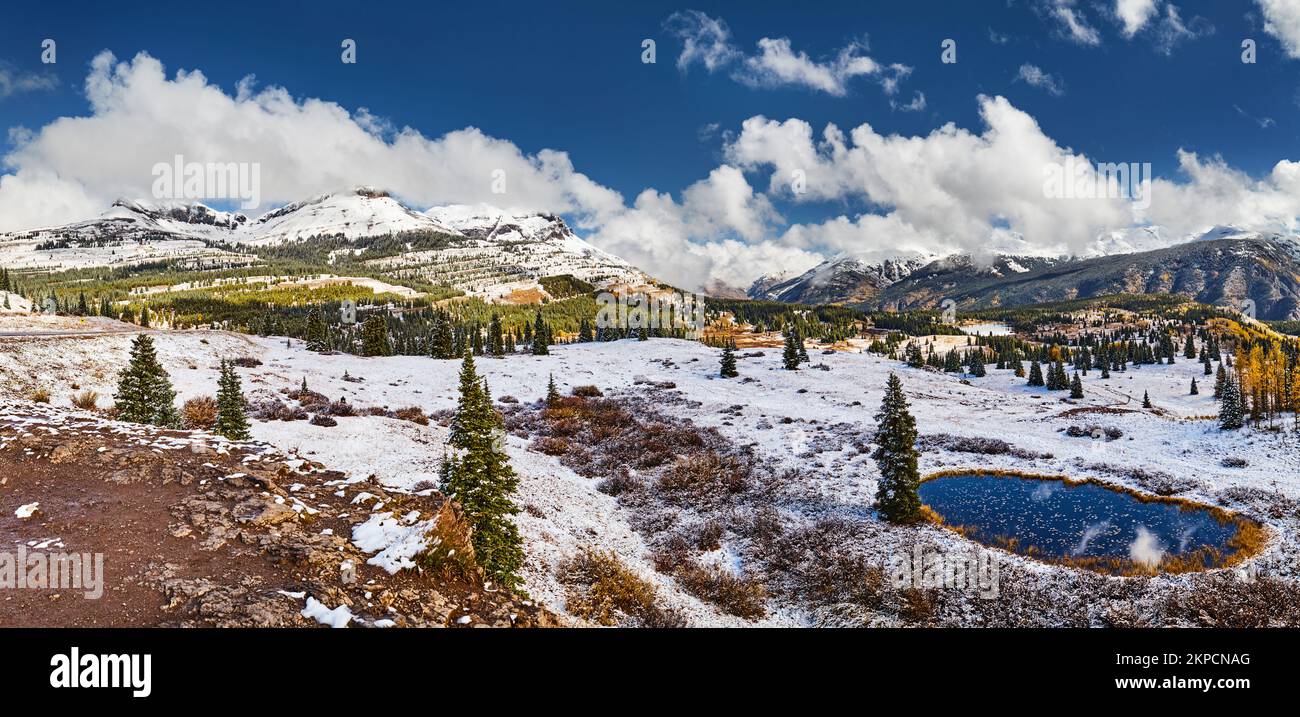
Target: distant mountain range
{"x":493,"y":253}
{"x":1225,"y":265}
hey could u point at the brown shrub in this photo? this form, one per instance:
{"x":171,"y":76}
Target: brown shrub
{"x":451,"y":551}
{"x":706,"y":476}
{"x":621,"y":482}
{"x":1226,"y":600}
{"x":199,"y":413}
{"x":735,"y":595}
{"x":551,"y":445}
{"x":341,"y":408}
{"x":414,"y":414}
{"x":917,"y":606}
{"x":600,"y":588}
{"x":587,"y":392}
{"x":39,"y":395}
{"x":86,"y":400}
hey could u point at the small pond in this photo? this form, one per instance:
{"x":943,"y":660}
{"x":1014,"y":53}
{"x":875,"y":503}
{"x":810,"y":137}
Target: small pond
{"x":1083,"y":524}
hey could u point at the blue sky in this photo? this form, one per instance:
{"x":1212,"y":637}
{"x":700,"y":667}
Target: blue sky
{"x":569,"y":76}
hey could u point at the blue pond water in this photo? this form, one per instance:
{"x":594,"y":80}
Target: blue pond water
{"x":1076,"y":521}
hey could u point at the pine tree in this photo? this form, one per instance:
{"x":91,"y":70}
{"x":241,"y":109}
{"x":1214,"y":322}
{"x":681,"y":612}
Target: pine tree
{"x":552,"y":393}
{"x":799,"y":344}
{"x":374,"y":337}
{"x":896,"y":456}
{"x":231,"y":421}
{"x":144,"y":391}
{"x":478,"y":476}
{"x":495,"y":343}
{"x":1076,"y":386}
{"x":1231,"y":414}
{"x":790,"y":354}
{"x":1146,"y":400}
{"x":728,"y":369}
{"x":1195,"y":390}
{"x":1189,"y":350}
{"x":315,"y":331}
{"x":1220,"y":382}
{"x":1035,"y":375}
{"x":540,"y":334}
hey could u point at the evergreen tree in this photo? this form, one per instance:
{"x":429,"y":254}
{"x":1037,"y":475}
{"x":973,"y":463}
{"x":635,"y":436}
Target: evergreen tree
{"x":1035,"y":375}
{"x":1189,"y":350}
{"x":495,"y":344}
{"x":896,"y":457}
{"x":374,"y":337}
{"x":552,"y":393}
{"x":728,"y":369}
{"x":231,"y":421}
{"x":1231,"y":413}
{"x":1076,"y":386}
{"x":1195,"y":390}
{"x":144,"y":316}
{"x":478,"y":476}
{"x":790,"y":354}
{"x":315,"y":331}
{"x":144,"y":391}
{"x":540,"y":334}
{"x":1146,"y":400}
{"x":799,"y":344}
{"x":1220,"y":382}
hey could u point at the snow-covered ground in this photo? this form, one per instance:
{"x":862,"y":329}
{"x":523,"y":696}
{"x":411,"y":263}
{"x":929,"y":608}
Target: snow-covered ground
{"x":803,"y":419}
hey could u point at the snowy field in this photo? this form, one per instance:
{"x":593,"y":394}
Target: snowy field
{"x":804,"y":420}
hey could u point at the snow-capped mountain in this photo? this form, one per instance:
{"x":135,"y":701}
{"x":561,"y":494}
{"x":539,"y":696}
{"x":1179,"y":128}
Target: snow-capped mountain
{"x":361,"y":212}
{"x":480,"y":249}
{"x":842,"y":279}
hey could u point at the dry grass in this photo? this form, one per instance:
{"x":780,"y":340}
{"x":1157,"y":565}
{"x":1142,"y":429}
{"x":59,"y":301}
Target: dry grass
{"x":733,"y":594}
{"x":39,"y":395}
{"x":451,"y":551}
{"x":85,"y":400}
{"x":600,"y":588}
{"x":1225,"y":600}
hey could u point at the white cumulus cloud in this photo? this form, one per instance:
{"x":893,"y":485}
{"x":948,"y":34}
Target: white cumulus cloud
{"x":1282,"y":20}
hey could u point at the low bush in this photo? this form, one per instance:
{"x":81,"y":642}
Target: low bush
{"x":600,"y":588}
{"x":414,"y":414}
{"x":39,"y":395}
{"x":199,"y":413}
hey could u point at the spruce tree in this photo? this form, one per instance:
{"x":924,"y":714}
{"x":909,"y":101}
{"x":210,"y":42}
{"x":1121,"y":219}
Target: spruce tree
{"x":1195,"y":390}
{"x":728,"y":368}
{"x":552,"y":393}
{"x":374,"y":337}
{"x":1220,"y":382}
{"x":144,"y":391}
{"x":1076,"y":386}
{"x":231,"y":421}
{"x":540,"y":334}
{"x":478,"y":476}
{"x":1231,"y":415}
{"x":896,"y":456}
{"x":1146,"y":400}
{"x":1035,"y":375}
{"x":315,"y":331}
{"x":495,"y":343}
{"x":790,"y":354}
{"x":799,"y":344}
